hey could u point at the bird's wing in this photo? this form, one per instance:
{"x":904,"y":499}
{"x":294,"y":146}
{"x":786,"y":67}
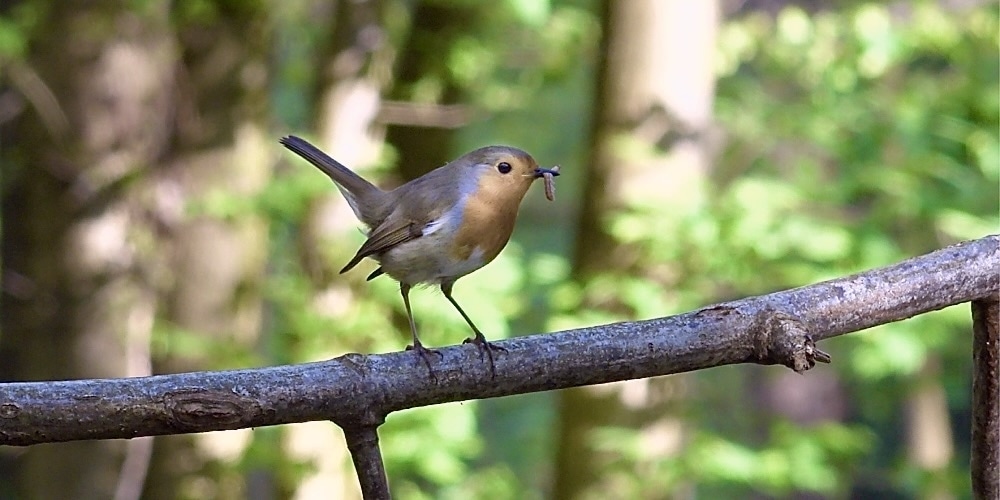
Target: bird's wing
{"x":390,"y":233}
{"x":398,"y":228}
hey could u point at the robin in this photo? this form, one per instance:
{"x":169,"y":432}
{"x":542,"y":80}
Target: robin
{"x":440,"y":226}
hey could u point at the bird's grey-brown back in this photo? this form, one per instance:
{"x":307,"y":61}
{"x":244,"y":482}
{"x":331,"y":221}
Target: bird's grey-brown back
{"x":427,"y":197}
{"x":447,"y":185}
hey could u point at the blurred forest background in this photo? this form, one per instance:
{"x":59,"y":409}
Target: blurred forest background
{"x":151,"y":223}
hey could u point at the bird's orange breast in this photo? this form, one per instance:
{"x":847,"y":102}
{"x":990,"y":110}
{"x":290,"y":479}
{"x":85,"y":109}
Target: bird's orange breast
{"x":487,"y":223}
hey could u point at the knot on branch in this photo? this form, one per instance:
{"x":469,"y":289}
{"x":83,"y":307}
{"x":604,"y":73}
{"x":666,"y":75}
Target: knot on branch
{"x":194,"y":409}
{"x":358,"y":363}
{"x":780,"y":338}
{"x":9,"y":410}
{"x":368,"y":416}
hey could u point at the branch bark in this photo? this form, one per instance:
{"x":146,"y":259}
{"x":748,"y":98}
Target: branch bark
{"x":985,"y":460}
{"x":367,"y":458}
{"x":358,"y":391}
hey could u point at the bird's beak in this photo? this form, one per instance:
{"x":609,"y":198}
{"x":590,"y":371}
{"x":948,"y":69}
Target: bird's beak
{"x":540,"y":172}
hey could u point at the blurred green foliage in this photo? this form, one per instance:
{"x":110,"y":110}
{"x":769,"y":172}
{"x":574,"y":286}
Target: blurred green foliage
{"x":793,"y":460}
{"x":15,"y":27}
{"x":502,"y":53}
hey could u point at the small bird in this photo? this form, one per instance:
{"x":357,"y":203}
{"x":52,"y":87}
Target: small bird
{"x":440,"y":226}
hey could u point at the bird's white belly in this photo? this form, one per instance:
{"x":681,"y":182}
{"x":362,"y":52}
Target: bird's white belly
{"x":428,"y":260}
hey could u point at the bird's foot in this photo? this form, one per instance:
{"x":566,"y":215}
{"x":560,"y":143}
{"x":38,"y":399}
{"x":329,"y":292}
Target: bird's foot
{"x":425,"y":355}
{"x":485,"y":346}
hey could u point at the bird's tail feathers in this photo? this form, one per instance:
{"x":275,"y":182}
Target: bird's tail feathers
{"x":355,"y":188}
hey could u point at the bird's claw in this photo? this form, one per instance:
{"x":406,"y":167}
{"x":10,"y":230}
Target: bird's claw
{"x":425,"y":354}
{"x":488,"y":347}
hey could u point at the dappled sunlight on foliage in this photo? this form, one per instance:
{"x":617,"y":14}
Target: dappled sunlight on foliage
{"x":816,"y":460}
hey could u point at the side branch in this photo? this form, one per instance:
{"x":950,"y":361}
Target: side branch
{"x":985,"y":461}
{"x":357,"y":391}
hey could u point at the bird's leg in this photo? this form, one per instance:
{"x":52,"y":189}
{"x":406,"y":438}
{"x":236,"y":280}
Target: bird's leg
{"x":424,"y":352}
{"x":480,"y":340}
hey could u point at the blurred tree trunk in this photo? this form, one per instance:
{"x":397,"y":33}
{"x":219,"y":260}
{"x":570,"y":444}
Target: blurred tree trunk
{"x":655,"y":88}
{"x":355,"y":68}
{"x":425,"y":144}
{"x":929,"y":442}
{"x":216,"y":261}
{"x":79,"y":295}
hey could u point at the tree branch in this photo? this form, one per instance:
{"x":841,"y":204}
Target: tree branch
{"x":362,"y":442}
{"x":985,"y":460}
{"x":358,"y":391}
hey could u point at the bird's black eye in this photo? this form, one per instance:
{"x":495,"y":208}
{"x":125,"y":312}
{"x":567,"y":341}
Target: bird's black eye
{"x":504,"y":167}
